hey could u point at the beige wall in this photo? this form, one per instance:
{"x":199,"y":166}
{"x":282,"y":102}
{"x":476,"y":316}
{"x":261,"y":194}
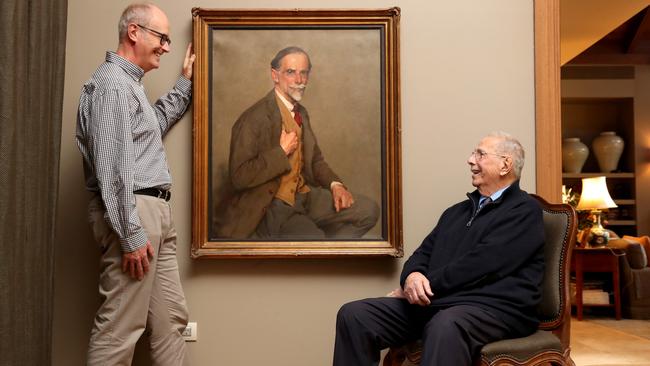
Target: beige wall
{"x":467,"y":69}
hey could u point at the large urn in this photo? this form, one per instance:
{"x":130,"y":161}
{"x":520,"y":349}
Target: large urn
{"x":574,"y":155}
{"x":608,"y":148}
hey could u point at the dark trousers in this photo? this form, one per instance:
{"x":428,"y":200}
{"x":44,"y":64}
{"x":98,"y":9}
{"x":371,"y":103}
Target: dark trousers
{"x":450,"y":336}
{"x":313,"y":217}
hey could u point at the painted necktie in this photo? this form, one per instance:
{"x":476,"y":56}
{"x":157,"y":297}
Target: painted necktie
{"x":296,"y":115}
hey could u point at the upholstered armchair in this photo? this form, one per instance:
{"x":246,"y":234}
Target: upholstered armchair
{"x":550,"y":344}
{"x":635,"y":276}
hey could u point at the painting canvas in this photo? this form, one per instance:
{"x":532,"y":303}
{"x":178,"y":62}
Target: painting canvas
{"x":350,"y":107}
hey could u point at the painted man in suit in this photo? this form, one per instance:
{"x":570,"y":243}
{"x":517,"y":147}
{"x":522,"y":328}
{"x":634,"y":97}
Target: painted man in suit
{"x":283,"y":188}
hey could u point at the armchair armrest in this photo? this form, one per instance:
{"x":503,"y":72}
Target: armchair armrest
{"x":634,"y":252}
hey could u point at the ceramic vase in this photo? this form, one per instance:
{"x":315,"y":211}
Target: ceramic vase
{"x":608,"y":148}
{"x":574,"y":155}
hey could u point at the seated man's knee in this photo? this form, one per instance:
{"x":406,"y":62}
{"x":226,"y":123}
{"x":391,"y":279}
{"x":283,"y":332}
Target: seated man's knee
{"x":445,"y":323}
{"x":347,"y":311}
{"x":368,"y":211}
{"x":351,"y":312}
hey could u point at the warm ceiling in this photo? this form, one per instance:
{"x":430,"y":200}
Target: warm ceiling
{"x":605,"y":31}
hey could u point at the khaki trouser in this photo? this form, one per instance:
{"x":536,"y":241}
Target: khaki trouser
{"x":129,"y":307}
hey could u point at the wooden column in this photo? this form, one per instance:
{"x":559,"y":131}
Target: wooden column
{"x":548,"y":133}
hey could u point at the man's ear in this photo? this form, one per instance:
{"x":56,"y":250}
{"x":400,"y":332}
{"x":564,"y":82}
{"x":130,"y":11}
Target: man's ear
{"x":274,"y":76}
{"x":506,"y":166}
{"x":132,"y":32}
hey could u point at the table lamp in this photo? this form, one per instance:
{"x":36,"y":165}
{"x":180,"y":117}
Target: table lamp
{"x":595,"y":197}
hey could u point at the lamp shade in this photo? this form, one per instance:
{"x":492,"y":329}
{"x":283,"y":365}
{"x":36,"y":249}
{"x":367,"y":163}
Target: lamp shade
{"x":594,"y":195}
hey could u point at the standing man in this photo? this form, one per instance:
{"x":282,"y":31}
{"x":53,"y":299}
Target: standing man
{"x":283,"y":188}
{"x":475,"y":279}
{"x":120,"y":136}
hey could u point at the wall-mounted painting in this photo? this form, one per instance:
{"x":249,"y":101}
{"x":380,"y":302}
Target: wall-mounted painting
{"x":296,"y":145}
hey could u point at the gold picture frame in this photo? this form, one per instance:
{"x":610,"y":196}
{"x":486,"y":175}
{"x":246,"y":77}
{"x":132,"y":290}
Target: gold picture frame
{"x":353,"y":100}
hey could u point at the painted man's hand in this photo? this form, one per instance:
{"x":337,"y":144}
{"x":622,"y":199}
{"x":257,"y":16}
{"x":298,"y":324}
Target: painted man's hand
{"x":289,"y":141}
{"x":137,"y":261}
{"x":188,"y":62}
{"x":342,"y":197}
{"x":417,"y":289}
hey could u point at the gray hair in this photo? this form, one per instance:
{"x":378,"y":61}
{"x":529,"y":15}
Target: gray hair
{"x":510,"y":146}
{"x":134,"y":13}
{"x":275,"y":63}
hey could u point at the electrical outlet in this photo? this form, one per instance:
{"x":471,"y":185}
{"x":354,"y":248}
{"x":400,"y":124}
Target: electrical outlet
{"x":190,"y":332}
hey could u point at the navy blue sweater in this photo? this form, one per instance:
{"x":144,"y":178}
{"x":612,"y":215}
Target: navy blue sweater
{"x":494,"y":260}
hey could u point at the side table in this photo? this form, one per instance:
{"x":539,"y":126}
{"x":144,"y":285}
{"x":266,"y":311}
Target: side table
{"x":600,"y":259}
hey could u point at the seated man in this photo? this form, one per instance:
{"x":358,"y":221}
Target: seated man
{"x":475,"y":279}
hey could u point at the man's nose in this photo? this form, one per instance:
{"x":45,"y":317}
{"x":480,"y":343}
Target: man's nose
{"x":167,"y":47}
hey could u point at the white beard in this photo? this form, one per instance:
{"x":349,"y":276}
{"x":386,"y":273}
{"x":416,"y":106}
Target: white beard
{"x":296,"y":92}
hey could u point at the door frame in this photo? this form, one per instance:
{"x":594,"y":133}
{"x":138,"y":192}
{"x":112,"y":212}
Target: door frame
{"x":548,"y":127}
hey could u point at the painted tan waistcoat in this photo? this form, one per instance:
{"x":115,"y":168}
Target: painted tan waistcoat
{"x":291,"y":182}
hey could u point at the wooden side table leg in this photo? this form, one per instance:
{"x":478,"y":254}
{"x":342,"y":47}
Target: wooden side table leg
{"x":617,"y":288}
{"x":579,"y":285}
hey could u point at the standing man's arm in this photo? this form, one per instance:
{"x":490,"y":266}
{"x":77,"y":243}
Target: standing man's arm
{"x":169,"y":109}
{"x":111,"y":142}
{"x":171,"y":106}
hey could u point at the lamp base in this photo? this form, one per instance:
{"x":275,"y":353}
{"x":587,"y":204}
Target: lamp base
{"x":598,"y":237}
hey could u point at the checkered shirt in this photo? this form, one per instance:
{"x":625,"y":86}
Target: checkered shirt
{"x":119,"y":134}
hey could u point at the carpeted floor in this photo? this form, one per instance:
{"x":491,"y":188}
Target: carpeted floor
{"x":601,"y":341}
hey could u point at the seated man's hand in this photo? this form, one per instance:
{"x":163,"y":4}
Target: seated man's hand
{"x":398,"y":293}
{"x":342,"y":197}
{"x":417,"y":289}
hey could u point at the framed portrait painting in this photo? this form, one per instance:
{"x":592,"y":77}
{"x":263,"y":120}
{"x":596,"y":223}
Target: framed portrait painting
{"x":296,"y":138}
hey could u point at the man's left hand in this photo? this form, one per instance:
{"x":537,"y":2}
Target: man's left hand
{"x":417,"y":289}
{"x":342,"y":197}
{"x":188,"y":62}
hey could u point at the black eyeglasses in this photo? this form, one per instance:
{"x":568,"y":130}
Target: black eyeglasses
{"x":479,"y":154}
{"x":163,"y":37}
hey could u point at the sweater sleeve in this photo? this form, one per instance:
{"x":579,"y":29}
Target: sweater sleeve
{"x":512,"y":240}
{"x":419,"y":260}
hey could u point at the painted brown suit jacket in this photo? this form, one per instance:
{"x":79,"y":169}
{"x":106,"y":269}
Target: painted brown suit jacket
{"x":256,"y":164}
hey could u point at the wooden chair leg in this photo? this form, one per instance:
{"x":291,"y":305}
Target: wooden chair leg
{"x":394,"y":357}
